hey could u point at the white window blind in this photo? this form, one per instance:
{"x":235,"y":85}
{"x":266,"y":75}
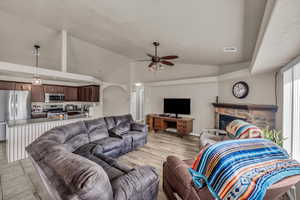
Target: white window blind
{"x":291,"y":111}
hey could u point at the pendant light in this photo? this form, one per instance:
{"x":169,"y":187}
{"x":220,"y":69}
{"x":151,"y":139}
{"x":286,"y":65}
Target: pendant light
{"x":36,"y":79}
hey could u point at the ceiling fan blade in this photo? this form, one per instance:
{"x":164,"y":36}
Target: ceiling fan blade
{"x":166,"y":63}
{"x":148,"y":54}
{"x":169,"y":57}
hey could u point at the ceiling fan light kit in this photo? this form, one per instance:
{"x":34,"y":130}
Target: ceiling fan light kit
{"x":157,"y":61}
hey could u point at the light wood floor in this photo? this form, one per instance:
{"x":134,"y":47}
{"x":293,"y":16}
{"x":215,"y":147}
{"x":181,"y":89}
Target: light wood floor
{"x":19,"y":181}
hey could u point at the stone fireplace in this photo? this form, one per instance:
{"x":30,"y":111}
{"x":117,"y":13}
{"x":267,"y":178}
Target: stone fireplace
{"x":261,"y":115}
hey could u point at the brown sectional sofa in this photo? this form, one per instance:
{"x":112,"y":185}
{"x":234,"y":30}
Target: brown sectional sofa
{"x":76,"y":161}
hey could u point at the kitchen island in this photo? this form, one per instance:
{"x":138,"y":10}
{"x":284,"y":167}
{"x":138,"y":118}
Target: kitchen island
{"x":21,"y":133}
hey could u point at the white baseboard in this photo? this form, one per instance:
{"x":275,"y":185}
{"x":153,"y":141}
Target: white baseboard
{"x":195,"y":134}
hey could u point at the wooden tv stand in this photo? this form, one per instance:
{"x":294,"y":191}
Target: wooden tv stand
{"x":156,"y":122}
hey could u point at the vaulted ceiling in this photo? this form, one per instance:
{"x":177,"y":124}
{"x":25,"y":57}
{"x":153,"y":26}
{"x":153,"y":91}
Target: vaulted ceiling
{"x":279,"y":41}
{"x":196,"y":30}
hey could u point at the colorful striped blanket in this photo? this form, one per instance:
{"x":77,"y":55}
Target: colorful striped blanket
{"x":239,"y":129}
{"x":242,"y":169}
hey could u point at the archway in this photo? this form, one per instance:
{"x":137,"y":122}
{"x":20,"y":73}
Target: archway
{"x":115,"y":101}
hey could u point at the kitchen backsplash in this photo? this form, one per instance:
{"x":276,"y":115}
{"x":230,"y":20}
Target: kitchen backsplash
{"x":95,"y":108}
{"x":66,"y":103}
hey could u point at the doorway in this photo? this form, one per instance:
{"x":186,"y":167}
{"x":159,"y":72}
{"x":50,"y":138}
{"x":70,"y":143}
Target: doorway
{"x":137,"y":103}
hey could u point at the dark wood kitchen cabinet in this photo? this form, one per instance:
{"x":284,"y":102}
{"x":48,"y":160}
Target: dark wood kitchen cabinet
{"x":94,"y":93}
{"x":23,"y":86}
{"x":89,"y":93}
{"x":83,"y":94}
{"x":7,"y":85}
{"x":54,"y":89}
{"x":71,"y":93}
{"x":37,"y":93}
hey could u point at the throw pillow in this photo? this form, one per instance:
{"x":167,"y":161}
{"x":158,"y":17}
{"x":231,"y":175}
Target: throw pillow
{"x":239,"y":129}
{"x":121,"y":128}
{"x":138,"y":127}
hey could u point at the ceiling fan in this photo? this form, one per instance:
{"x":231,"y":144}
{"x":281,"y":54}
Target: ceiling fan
{"x":156,"y":60}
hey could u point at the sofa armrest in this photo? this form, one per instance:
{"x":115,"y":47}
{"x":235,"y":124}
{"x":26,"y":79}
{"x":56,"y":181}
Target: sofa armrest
{"x":176,"y":171}
{"x":138,"y":183}
{"x":138,"y":127}
{"x":82,"y":176}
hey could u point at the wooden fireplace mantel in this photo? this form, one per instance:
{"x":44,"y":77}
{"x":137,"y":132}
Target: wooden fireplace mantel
{"x":272,"y":108}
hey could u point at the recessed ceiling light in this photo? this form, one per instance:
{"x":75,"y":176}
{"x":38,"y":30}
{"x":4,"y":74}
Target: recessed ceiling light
{"x":138,"y":84}
{"x":230,"y":49}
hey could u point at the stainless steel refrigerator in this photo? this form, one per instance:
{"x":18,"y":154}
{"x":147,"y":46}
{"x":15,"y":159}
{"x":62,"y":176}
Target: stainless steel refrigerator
{"x":14,"y":105}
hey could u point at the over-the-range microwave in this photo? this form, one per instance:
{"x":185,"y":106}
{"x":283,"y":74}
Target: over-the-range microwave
{"x":51,"y":97}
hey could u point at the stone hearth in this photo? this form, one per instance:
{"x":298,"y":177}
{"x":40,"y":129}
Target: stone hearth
{"x":261,"y":115}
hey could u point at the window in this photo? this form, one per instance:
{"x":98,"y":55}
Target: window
{"x":291,"y":110}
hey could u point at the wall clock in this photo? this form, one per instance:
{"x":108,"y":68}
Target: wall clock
{"x":240,"y":89}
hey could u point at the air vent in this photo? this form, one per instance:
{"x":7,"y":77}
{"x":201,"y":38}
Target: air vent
{"x":230,"y":49}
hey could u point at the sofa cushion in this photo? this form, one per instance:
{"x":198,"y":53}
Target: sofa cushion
{"x":81,"y":175}
{"x":127,"y":147}
{"x":121,"y":129}
{"x":138,"y":127}
{"x":114,"y":153}
{"x":72,"y":135}
{"x":108,"y":166}
{"x":109,"y":143}
{"x":73,"y":129}
{"x":123,"y":118}
{"x":110,"y":122}
{"x":89,"y":149}
{"x":141,"y":183}
{"x":96,"y":129}
{"x":114,"y":163}
{"x":42,"y":146}
{"x":136,"y":135}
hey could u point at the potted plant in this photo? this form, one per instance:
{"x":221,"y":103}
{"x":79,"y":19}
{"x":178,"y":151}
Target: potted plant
{"x":273,"y":135}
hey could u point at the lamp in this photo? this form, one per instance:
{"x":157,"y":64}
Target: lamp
{"x":36,"y":79}
{"x":156,"y":67}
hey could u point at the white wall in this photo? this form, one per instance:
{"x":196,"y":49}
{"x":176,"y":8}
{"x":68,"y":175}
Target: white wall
{"x":261,"y":89}
{"x":116,"y":101}
{"x":202,"y":95}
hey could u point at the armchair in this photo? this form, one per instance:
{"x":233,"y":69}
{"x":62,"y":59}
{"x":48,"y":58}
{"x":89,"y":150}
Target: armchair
{"x":177,"y":181}
{"x":237,"y":129}
{"x":211,"y":136}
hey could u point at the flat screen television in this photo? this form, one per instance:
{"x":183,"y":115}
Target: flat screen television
{"x":177,"y":106}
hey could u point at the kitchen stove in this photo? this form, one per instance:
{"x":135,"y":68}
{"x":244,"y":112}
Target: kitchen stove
{"x":55,"y":111}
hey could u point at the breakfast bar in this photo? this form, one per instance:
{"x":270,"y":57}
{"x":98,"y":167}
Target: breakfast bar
{"x":21,"y":133}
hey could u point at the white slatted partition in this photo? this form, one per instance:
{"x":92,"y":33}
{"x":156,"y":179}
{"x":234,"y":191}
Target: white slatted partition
{"x":18,"y":137}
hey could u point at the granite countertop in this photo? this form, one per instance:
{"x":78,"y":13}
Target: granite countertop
{"x":43,"y":120}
